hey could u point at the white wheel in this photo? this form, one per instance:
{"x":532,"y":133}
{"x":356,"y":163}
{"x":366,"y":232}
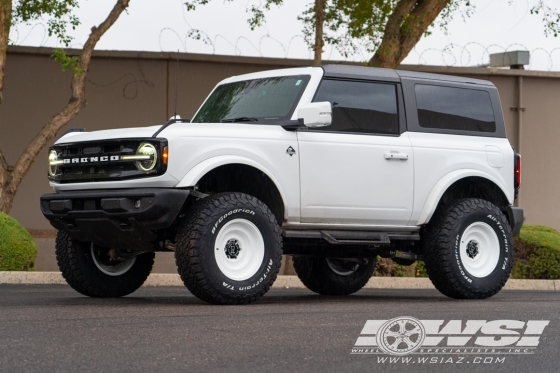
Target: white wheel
{"x":239,"y":249}
{"x":245,"y":238}
{"x":468,"y":249}
{"x":342,"y":267}
{"x":100,"y":259}
{"x":479,"y":249}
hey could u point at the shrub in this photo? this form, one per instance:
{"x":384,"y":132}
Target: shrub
{"x":17,"y":248}
{"x":386,"y":267}
{"x":537,"y":253}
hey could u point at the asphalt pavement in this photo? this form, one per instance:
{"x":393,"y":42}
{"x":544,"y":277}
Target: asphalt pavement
{"x":51,"y":328}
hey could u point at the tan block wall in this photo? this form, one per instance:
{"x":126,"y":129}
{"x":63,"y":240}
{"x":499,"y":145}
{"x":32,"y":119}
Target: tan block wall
{"x":130,"y":89}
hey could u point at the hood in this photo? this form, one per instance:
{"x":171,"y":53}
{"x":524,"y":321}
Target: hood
{"x":121,"y":133}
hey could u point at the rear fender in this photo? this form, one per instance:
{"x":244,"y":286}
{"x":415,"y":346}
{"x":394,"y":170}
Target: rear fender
{"x":445,"y":182}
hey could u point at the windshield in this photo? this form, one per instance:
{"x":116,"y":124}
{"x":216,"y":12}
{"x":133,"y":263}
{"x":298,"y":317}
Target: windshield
{"x":253,"y":100}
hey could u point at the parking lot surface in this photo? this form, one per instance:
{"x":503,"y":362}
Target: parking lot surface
{"x":48,"y":328}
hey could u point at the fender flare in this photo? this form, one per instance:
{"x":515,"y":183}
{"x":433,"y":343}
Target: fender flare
{"x":444,"y":183}
{"x":197,"y":172}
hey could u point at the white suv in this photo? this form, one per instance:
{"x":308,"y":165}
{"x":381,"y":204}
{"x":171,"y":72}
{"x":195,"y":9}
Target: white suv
{"x":335,"y":165}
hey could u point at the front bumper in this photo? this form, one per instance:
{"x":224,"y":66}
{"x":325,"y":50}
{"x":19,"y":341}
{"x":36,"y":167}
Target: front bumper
{"x":116,"y":218}
{"x":515,"y":217}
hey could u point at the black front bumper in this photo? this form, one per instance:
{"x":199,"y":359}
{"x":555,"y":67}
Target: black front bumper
{"x":117,"y":218}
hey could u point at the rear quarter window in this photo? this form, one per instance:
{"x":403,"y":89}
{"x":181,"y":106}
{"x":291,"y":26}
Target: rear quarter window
{"x":458,"y":109}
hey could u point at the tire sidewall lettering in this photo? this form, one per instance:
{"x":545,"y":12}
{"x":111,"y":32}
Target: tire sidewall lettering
{"x":223,"y":217}
{"x":267,"y":268}
{"x":504,"y":260}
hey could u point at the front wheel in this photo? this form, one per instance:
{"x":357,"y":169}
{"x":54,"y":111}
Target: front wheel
{"x":92,"y":271}
{"x":229,"y":249}
{"x":331,"y":276}
{"x":468,"y":249}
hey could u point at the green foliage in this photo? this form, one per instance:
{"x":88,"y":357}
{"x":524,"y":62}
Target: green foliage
{"x":352,"y":25}
{"x":17,"y":248}
{"x":199,"y":35}
{"x":537,"y":253}
{"x":386,"y":267}
{"x":59,"y":18}
{"x":551,"y":18}
{"x":349,"y":24}
{"x":58,"y":15}
{"x":67,"y":62}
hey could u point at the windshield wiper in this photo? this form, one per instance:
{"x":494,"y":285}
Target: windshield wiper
{"x":240,"y":119}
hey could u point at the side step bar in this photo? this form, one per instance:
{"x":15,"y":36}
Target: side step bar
{"x":353,"y":237}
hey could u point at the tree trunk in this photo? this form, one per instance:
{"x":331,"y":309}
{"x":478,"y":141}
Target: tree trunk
{"x":406,"y":25}
{"x":5,"y":25}
{"x":319,"y":21}
{"x":11,"y":177}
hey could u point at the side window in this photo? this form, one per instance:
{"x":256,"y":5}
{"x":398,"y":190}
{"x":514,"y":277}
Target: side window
{"x":360,"y":107}
{"x":457,"y":109}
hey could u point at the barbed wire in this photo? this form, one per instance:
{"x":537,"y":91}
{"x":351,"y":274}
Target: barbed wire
{"x":462,"y":55}
{"x":471,"y":54}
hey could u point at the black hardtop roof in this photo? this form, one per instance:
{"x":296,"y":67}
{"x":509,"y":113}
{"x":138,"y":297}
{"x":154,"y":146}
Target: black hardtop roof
{"x":375,"y":73}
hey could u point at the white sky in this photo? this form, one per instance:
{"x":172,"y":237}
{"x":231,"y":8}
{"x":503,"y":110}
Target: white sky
{"x":162,"y":25}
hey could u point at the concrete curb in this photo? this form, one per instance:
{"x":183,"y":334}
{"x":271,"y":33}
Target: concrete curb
{"x":282,"y":282}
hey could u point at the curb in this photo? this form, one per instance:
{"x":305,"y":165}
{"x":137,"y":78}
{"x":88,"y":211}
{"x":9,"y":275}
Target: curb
{"x":282,"y":282}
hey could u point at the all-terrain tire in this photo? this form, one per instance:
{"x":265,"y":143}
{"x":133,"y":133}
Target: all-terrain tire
{"x":468,"y":249}
{"x":76,"y":263}
{"x":320,"y":275}
{"x":229,"y":249}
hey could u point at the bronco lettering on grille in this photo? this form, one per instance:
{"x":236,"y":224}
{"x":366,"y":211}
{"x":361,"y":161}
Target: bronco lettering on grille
{"x":92,"y":159}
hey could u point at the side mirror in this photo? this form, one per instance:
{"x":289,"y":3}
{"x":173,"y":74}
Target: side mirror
{"x":316,"y":114}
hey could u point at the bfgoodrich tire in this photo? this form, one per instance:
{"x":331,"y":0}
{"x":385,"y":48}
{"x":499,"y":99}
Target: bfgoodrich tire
{"x":329,"y":276}
{"x":88,"y":270}
{"x":229,"y":249}
{"x":468,"y":249}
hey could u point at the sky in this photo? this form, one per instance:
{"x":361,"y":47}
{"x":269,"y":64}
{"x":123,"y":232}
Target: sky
{"x":163,"y":25}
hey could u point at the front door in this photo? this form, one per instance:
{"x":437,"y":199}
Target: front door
{"x":358,"y":170}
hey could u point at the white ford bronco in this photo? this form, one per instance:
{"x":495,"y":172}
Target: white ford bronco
{"x":334,"y":165}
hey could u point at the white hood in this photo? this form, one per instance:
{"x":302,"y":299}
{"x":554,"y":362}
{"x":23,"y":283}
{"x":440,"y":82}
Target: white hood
{"x":122,"y":133}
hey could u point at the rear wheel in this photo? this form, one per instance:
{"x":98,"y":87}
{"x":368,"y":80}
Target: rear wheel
{"x":97,"y":272}
{"x":331,"y":276}
{"x":468,"y":249}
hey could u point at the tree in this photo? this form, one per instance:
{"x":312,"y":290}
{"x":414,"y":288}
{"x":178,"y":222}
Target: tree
{"x":60,"y":13}
{"x":386,"y":29}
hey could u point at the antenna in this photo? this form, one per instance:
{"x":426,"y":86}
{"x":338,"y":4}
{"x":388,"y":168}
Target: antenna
{"x":173,"y":119}
{"x":176,"y":84}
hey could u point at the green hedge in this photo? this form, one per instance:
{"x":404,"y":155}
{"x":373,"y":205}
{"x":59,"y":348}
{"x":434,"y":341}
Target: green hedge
{"x":17,"y":248}
{"x":537,"y":253}
{"x":385,"y":267}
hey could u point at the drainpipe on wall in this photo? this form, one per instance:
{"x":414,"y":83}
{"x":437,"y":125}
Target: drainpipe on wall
{"x":520,"y":109}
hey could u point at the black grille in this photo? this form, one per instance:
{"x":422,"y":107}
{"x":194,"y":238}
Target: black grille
{"x":101,"y":160}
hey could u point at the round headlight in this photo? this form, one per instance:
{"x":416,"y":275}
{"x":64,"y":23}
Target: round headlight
{"x":148,"y":150}
{"x":53,"y":163}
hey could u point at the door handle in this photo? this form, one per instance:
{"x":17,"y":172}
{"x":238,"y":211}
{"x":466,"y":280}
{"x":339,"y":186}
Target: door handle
{"x":396,"y":155}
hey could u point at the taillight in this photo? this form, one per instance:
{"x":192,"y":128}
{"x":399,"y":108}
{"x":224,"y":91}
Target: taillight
{"x":517,"y":172}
